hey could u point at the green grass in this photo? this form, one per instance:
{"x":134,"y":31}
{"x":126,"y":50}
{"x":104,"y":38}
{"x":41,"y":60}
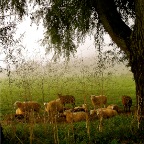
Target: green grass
{"x":81,"y":87}
{"x":115,"y":130}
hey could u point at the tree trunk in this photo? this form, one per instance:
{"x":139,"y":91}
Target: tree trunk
{"x":138,"y":72}
{"x":137,"y":60}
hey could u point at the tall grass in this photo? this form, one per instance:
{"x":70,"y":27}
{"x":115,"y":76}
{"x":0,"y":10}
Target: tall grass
{"x":120,"y":129}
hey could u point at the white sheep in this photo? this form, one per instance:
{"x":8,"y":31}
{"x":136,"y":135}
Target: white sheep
{"x":98,"y":101}
{"x":53,"y":108}
{"x":113,"y":107}
{"x":75,"y":116}
{"x":106,"y":113}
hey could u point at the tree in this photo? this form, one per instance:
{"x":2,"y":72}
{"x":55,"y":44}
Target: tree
{"x":68,"y":20}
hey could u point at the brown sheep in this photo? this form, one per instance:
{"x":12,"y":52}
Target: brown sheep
{"x":67,"y":99}
{"x":53,"y":108}
{"x":28,"y":106}
{"x":127,"y":103}
{"x":98,"y":101}
{"x":75,"y":116}
{"x":113,"y":107}
{"x":106,"y":113}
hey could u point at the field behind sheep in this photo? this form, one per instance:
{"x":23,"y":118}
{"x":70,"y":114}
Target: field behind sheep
{"x":45,"y":87}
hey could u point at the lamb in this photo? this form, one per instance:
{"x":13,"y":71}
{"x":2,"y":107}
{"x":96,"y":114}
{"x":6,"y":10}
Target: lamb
{"x":98,"y":101}
{"x":67,"y":99}
{"x":106,"y":113}
{"x":75,"y":116}
{"x":127,"y":103}
{"x":28,"y":106}
{"x":113,"y":107}
{"x":53,"y":108}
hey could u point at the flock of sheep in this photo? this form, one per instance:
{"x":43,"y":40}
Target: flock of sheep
{"x":56,"y":108}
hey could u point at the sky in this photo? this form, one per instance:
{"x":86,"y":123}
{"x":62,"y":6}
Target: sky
{"x":33,"y":49}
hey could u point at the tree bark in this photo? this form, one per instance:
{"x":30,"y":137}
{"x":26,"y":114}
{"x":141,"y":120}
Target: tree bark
{"x":137,"y":59}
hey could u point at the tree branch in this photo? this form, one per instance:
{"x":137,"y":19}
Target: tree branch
{"x":113,"y":23}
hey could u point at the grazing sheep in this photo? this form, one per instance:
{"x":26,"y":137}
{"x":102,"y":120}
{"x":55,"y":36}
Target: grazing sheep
{"x":106,"y":113}
{"x":28,"y":106}
{"x":53,"y":108}
{"x":98,"y":101}
{"x":67,"y":99}
{"x":75,"y":116}
{"x":127,"y":103}
{"x":113,"y":107}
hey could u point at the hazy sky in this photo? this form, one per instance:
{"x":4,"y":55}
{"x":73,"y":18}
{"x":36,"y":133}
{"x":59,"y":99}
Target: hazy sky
{"x":33,"y":50}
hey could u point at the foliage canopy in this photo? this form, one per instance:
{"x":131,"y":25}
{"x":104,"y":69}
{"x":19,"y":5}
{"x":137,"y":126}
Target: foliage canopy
{"x":69,"y":21}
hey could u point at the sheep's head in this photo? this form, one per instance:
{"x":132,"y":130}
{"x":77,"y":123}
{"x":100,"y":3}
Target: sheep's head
{"x":16,"y":104}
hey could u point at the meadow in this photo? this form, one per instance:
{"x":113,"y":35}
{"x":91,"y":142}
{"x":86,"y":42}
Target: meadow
{"x":43,"y":87}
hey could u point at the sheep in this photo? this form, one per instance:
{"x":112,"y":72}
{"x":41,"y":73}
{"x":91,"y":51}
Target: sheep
{"x":75,"y":116}
{"x":113,"y":107}
{"x":98,"y":101}
{"x":28,"y":106}
{"x":106,"y":113}
{"x":127,"y":103}
{"x":53,"y":108}
{"x":67,"y":99}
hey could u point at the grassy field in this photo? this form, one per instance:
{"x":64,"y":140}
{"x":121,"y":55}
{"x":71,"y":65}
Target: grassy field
{"x":43,"y":88}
